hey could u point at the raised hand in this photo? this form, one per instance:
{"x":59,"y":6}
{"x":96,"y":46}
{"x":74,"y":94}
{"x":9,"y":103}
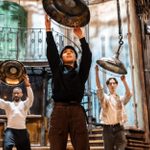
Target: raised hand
{"x":47,"y":23}
{"x":96,"y":68}
{"x":26,"y":80}
{"x":78,"y":32}
{"x":123,"y":78}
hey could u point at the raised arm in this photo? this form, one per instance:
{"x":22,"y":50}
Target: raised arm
{"x":30,"y":96}
{"x":98,"y":82}
{"x":52,"y":51}
{"x":3,"y":104}
{"x":128,"y":93}
{"x":100,"y":91}
{"x":78,"y":32}
{"x":86,"y":57}
{"x":47,"y":23}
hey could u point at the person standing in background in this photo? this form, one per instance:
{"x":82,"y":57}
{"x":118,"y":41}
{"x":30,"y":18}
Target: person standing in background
{"x":113,"y":112}
{"x":16,"y":133}
{"x":68,"y":85}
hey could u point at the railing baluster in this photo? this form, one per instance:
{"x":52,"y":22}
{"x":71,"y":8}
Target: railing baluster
{"x":40,"y":43}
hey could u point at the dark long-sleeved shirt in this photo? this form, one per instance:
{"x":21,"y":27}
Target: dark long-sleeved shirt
{"x":68,"y":84}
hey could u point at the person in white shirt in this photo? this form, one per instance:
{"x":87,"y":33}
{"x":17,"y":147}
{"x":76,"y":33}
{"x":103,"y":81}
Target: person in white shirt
{"x":113,"y":114}
{"x":16,"y":133}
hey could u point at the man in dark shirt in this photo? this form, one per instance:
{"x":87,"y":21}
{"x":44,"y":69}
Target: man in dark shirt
{"x":68,"y":85}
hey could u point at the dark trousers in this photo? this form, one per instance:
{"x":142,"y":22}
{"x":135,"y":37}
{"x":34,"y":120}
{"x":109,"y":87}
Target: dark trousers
{"x":16,"y":137}
{"x":114,"y":137}
{"x":68,"y":119}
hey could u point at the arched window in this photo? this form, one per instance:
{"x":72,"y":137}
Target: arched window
{"x":13,"y":19}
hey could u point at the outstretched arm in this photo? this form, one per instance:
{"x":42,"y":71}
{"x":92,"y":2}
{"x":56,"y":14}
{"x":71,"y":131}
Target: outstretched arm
{"x":52,"y":52}
{"x":86,"y":57}
{"x":30,"y":96}
{"x":47,"y":23}
{"x":3,"y":104}
{"x":98,"y":82}
{"x":128,"y":93}
{"x":100,"y":91}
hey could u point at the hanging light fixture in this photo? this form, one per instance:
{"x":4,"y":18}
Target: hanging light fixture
{"x":113,"y":64}
{"x":11,"y":72}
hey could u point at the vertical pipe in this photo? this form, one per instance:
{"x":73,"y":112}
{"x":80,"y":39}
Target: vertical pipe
{"x":43,"y":136}
{"x":132,"y":66}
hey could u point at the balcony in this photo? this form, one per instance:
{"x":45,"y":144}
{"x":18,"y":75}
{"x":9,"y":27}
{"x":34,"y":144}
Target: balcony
{"x":25,"y":45}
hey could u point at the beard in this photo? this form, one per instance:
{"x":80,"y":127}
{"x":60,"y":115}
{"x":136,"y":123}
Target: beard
{"x":16,"y":99}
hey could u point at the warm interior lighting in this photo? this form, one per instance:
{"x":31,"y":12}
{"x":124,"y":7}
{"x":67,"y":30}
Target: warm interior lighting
{"x":11,"y":81}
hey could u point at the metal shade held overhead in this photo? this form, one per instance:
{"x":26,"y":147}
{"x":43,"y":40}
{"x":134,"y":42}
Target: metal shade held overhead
{"x":112,"y":64}
{"x":71,"y":13}
{"x":11,"y":72}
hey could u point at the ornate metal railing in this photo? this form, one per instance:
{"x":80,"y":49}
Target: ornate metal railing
{"x":28,"y":44}
{"x":22,"y":44}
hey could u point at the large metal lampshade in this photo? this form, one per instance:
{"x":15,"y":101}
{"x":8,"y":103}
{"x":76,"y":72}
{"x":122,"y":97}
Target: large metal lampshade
{"x":11,"y":72}
{"x":112,"y":64}
{"x":71,"y":13}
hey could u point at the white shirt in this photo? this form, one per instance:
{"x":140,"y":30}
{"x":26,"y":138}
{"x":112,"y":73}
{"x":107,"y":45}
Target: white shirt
{"x":16,"y":112}
{"x":113,"y":108}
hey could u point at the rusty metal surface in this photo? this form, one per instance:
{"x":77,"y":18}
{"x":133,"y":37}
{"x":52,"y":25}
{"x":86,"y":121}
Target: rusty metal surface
{"x":64,"y":16}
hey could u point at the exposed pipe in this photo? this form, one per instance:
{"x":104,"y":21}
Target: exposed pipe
{"x":131,"y":61}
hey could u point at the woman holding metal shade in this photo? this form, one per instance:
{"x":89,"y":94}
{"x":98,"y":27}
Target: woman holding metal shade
{"x":68,"y":116}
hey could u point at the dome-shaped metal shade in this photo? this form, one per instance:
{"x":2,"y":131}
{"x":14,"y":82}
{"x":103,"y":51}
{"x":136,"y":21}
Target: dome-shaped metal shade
{"x":70,"y":7}
{"x":11,"y":72}
{"x":71,"y":13}
{"x":112,"y":64}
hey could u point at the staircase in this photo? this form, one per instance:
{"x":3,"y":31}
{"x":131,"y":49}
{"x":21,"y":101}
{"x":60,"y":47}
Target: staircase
{"x":135,"y":138}
{"x":95,"y":139}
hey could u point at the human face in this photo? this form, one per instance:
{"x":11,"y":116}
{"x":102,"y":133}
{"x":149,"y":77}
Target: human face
{"x":112,"y":86}
{"x":17,"y":94}
{"x":68,"y":57}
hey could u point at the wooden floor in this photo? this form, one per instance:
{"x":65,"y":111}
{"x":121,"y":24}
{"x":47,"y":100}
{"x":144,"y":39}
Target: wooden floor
{"x":34,"y":148}
{"x":41,"y":148}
